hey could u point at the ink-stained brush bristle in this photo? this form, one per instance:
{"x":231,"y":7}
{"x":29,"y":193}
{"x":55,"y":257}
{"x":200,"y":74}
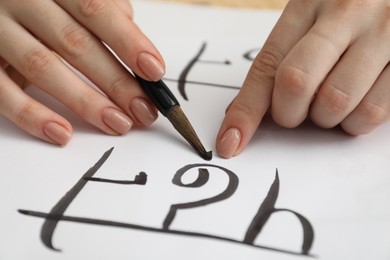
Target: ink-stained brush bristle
{"x":168,"y":105}
{"x":181,"y":123}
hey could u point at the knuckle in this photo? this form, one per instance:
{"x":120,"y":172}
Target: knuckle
{"x":92,"y":8}
{"x":26,"y":114}
{"x":293,"y":80}
{"x":334,"y":100}
{"x":75,"y":40}
{"x":372,"y":113}
{"x":268,"y":60}
{"x":84,"y":104}
{"x":118,"y":86}
{"x":350,"y":6}
{"x":332,"y":45}
{"x":37,"y":62}
{"x":245,"y":109}
{"x":287,"y":120}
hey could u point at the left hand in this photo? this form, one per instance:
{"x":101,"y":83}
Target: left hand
{"x":325,"y":59}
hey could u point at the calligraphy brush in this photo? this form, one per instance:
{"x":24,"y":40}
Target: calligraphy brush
{"x":168,"y":105}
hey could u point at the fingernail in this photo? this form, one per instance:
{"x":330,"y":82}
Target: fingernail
{"x":57,"y":133}
{"x":143,"y":110}
{"x":151,"y":66}
{"x":229,"y":142}
{"x":117,"y":121}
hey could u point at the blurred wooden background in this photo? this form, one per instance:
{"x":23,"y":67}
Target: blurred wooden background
{"x":274,"y":4}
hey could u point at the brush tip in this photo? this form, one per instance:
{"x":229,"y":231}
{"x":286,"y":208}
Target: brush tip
{"x":181,"y":123}
{"x":207,"y":155}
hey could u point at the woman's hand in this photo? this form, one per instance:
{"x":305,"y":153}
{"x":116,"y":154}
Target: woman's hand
{"x":325,"y":59}
{"x":37,"y":36}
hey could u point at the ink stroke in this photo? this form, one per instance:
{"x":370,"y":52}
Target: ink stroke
{"x":293,"y":194}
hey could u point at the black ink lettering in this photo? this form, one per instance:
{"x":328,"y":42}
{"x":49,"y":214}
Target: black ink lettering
{"x":267,"y":208}
{"x":226,"y":62}
{"x":108,"y":223}
{"x":202,"y":179}
{"x":251,"y":55}
{"x":58,"y":210}
{"x":183,"y":75}
{"x":203,"y":83}
{"x":140,"y":179}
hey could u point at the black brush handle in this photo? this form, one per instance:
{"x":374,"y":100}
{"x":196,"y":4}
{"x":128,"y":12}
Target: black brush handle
{"x":159,"y":93}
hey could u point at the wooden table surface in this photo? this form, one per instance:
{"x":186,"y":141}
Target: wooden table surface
{"x":274,"y":4}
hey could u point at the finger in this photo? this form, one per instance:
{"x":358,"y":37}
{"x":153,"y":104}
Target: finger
{"x":86,"y":53}
{"x":30,"y":115}
{"x":252,"y":102}
{"x":349,"y":81}
{"x":373,"y":110}
{"x":125,"y":6}
{"x":45,"y":70}
{"x":305,"y":67}
{"x":123,"y":36}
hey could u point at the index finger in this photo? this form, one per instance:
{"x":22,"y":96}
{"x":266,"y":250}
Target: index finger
{"x":117,"y":29}
{"x":254,"y":99}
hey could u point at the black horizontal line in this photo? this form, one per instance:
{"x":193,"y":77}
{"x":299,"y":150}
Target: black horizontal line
{"x":149,"y":229}
{"x":203,"y":83}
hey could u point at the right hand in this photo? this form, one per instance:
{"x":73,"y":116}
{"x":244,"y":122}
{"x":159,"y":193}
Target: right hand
{"x":35,"y":36}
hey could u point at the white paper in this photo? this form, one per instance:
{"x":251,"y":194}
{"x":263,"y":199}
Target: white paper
{"x":339,"y":183}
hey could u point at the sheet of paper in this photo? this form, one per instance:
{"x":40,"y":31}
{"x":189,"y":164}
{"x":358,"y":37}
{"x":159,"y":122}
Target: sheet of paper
{"x":84,"y":201}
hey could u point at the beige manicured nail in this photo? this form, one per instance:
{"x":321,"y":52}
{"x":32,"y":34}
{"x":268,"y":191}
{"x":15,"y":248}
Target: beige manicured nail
{"x":143,"y":110}
{"x":117,"y":121}
{"x":57,"y":133}
{"x":229,"y":142}
{"x":150,"y":66}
